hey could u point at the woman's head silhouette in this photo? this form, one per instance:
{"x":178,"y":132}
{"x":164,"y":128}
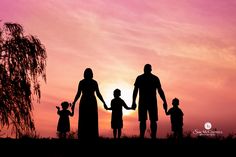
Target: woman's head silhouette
{"x":88,"y":73}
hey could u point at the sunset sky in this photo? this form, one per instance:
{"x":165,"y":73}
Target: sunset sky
{"x":191,"y":45}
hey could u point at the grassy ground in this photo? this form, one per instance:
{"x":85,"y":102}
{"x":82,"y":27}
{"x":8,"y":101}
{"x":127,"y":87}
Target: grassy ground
{"x":111,"y":147}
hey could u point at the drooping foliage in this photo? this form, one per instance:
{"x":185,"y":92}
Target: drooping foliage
{"x":22,"y":62}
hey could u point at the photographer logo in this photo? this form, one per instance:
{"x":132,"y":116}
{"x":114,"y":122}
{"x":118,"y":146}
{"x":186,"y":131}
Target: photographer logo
{"x":207,"y":131}
{"x":207,"y":125}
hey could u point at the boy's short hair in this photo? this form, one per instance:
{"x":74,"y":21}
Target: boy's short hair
{"x":175,"y":101}
{"x":117,"y":92}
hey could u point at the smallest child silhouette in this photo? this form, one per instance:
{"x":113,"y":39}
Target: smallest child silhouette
{"x":176,"y":117}
{"x":116,"y":116}
{"x":63,"y":125}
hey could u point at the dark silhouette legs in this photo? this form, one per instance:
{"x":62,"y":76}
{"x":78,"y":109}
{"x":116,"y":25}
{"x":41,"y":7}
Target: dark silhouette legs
{"x":115,"y":133}
{"x":153,"y":127}
{"x":62,"y":135}
{"x":178,"y":134}
{"x":142,"y":127}
{"x":119,"y":133}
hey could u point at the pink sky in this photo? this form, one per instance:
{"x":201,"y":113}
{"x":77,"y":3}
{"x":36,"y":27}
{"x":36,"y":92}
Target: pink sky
{"x":191,"y":45}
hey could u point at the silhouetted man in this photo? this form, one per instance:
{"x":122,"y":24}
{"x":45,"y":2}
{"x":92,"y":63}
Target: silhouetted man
{"x":147,"y":84}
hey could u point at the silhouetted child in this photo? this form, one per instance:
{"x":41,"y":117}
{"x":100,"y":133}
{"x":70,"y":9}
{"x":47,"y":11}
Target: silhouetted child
{"x":116,"y":117}
{"x":63,"y":125}
{"x":176,"y":117}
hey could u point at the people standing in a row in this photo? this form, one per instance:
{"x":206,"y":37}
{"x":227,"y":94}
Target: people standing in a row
{"x":147,"y":85}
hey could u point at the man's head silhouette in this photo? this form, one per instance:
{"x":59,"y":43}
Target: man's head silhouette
{"x":147,"y":69}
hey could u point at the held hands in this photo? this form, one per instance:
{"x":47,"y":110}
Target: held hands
{"x":58,"y":107}
{"x":105,"y":106}
{"x":166,"y":112}
{"x":165,"y":107}
{"x":134,"y":105}
{"x":72,"y":106}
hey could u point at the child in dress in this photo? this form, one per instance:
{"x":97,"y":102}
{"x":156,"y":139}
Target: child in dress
{"x":176,"y":117}
{"x":64,"y":122}
{"x":116,"y":117}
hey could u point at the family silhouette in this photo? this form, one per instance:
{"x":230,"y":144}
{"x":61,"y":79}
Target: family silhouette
{"x":146,"y":85}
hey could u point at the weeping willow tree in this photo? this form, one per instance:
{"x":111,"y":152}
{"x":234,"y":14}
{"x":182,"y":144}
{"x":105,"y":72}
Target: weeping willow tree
{"x":22,"y":64}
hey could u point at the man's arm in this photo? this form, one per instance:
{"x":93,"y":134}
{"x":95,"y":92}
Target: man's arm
{"x":162,"y":95}
{"x":135,"y":93}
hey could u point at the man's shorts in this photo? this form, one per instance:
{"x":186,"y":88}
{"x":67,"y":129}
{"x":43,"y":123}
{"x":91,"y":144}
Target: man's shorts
{"x":150,"y":108}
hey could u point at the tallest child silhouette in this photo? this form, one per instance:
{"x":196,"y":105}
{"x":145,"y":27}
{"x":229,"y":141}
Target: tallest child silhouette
{"x":88,"y":109}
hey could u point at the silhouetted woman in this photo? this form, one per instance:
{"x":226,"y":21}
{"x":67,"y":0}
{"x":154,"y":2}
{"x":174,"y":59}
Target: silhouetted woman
{"x":88,"y":109}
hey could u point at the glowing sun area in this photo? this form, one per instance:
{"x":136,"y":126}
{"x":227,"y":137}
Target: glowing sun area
{"x":126,"y":95}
